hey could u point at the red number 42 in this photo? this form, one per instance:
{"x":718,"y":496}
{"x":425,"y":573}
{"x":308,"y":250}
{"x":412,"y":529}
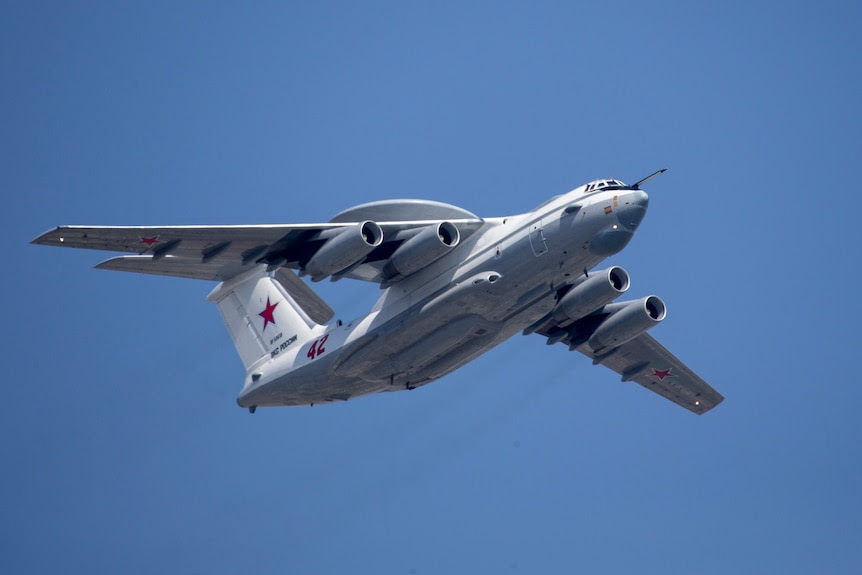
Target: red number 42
{"x":317,"y":348}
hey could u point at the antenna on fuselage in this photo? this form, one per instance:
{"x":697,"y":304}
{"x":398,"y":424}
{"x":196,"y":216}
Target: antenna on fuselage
{"x":648,"y":178}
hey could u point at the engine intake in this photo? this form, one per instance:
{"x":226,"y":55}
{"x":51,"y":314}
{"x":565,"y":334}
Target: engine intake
{"x":426,"y":247}
{"x":598,"y":289}
{"x":626,"y":322}
{"x":348,"y":247}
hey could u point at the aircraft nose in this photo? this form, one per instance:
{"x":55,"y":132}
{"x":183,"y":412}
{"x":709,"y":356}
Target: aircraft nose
{"x":640,"y":198}
{"x":633,"y":209}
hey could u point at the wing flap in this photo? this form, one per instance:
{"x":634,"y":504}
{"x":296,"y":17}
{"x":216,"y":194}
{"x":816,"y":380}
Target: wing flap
{"x":175,"y":266}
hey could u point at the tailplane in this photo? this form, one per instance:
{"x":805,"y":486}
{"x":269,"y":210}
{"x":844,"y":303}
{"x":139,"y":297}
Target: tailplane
{"x":261,"y":315}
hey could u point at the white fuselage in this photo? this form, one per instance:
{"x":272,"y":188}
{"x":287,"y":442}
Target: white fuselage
{"x":500,"y":280}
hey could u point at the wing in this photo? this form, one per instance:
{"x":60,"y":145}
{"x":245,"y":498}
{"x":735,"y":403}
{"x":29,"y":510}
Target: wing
{"x":201,"y":252}
{"x":221,"y":252}
{"x":648,"y":363}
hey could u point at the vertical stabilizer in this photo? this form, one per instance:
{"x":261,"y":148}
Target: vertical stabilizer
{"x":260,"y":315}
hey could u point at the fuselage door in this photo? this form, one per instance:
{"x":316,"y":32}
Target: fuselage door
{"x":537,"y":238}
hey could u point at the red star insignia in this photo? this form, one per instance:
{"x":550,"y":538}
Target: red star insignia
{"x":266,"y":314}
{"x":662,"y":374}
{"x":148,"y":241}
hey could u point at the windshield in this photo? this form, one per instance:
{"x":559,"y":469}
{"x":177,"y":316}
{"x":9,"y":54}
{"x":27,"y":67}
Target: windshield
{"x":604,"y":185}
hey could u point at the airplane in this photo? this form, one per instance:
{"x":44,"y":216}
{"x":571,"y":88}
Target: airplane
{"x":453,"y":286}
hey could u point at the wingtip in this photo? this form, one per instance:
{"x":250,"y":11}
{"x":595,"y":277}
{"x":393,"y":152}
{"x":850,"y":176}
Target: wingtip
{"x":713,"y":404}
{"x":49,"y":238}
{"x":107,"y":264}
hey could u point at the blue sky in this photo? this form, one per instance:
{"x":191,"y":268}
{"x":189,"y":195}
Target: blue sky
{"x":122,"y":448}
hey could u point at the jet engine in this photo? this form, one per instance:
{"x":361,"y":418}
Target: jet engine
{"x":427,"y":246}
{"x":598,"y":289}
{"x":626,"y":321}
{"x":348,"y":247}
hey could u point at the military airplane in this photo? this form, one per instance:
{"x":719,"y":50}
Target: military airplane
{"x":453,"y":286}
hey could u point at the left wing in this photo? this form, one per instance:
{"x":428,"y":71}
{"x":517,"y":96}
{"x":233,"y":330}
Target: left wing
{"x":221,"y":252}
{"x":200,"y":252}
{"x":648,"y":363}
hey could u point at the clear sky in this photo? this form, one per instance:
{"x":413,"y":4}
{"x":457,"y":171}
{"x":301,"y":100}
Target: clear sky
{"x":122,"y":449}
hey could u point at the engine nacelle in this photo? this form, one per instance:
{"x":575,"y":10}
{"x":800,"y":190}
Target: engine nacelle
{"x":595,"y":291}
{"x":347,"y":247}
{"x":627,"y":322}
{"x":427,"y":246}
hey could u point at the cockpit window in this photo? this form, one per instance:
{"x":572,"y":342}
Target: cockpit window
{"x":604,"y":185}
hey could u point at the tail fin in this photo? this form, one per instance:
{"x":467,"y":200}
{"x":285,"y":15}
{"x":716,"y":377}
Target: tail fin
{"x":260,"y":315}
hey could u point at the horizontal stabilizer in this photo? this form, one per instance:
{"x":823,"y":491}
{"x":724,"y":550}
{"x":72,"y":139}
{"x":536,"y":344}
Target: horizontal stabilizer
{"x":317,"y":309}
{"x":305,"y":297}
